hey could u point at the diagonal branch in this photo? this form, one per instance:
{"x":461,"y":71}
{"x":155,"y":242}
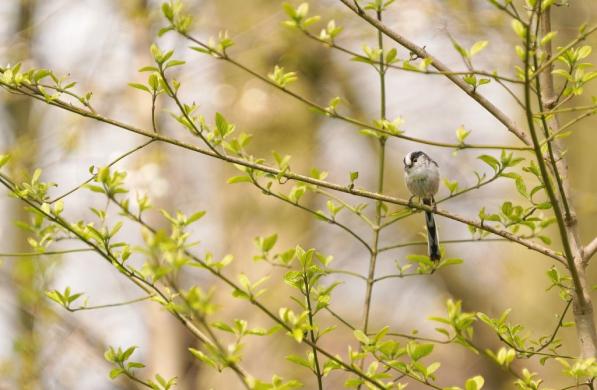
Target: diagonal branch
{"x":421,"y":52}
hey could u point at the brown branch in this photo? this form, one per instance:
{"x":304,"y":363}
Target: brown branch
{"x":576,"y":259}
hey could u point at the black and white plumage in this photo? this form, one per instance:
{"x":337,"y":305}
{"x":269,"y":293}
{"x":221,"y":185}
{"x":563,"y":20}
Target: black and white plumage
{"x":422,"y":180}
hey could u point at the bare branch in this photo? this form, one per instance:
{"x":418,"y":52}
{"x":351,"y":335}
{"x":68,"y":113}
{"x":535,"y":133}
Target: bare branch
{"x":590,"y":250}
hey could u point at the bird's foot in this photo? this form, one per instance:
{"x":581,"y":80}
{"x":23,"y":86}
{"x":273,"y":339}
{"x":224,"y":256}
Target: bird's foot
{"x":410,"y":202}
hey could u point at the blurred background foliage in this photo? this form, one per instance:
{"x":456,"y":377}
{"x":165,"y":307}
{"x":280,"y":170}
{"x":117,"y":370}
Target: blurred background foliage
{"x":101,"y":44}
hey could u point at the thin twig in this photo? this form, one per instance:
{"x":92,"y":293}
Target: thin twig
{"x":313,"y":212}
{"x":569,"y":124}
{"x":67,"y":193}
{"x":317,"y":372}
{"x":416,"y":243}
{"x":46,"y":253}
{"x":107,"y":305}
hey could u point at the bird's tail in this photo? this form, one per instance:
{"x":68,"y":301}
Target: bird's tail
{"x":432,"y":236}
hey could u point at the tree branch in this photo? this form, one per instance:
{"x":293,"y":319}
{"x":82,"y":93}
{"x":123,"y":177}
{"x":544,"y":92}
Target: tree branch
{"x":421,"y":52}
{"x":590,"y":250}
{"x":569,"y":231}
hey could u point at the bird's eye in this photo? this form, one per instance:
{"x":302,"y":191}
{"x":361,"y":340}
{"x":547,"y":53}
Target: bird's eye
{"x":415,"y":160}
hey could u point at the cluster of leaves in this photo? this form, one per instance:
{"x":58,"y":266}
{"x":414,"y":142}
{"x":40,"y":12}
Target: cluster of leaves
{"x":467,"y":56}
{"x":575,"y":71}
{"x":424,"y":264}
{"x":219,"y":358}
{"x":65,"y":298}
{"x":406,"y":359}
{"x":563,"y":283}
{"x":179,"y":21}
{"x":511,"y":215}
{"x":42,"y":82}
{"x":121,"y":359}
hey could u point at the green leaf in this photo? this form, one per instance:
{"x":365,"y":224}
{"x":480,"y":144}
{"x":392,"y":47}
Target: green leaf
{"x":362,"y":337}
{"x":129,"y":351}
{"x":4,"y":159}
{"x":173,"y":63}
{"x":518,"y":28}
{"x":452,"y":186}
{"x":470,"y":79}
{"x":391,"y":55}
{"x":546,"y":240}
{"x":433,"y":367}
{"x":491,"y":161}
{"x":521,"y":187}
{"x":301,"y":361}
{"x":583,"y":52}
{"x":115,"y":372}
{"x":203,"y":357}
{"x":451,"y":261}
{"x":474,"y":383}
{"x":223,"y":326}
{"x":462,"y":51}
{"x":148,"y":69}
{"x":140,"y":87}
{"x":461,"y":134}
{"x":221,"y":122}
{"x":417,"y":351}
{"x":41,"y":74}
{"x":549,"y":36}
{"x":477,"y":47}
{"x":239,"y":179}
{"x":269,"y":242}
{"x":195,"y":217}
{"x":311,"y":20}
{"x":115,"y":229}
{"x":56,"y":296}
{"x":546,"y":4}
{"x":329,"y":366}
{"x":298,"y":335}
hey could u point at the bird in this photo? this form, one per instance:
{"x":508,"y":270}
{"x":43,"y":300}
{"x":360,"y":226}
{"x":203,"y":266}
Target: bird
{"x":421,"y":174}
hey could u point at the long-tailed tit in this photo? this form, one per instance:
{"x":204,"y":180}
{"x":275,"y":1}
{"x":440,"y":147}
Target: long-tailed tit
{"x":422,"y":180}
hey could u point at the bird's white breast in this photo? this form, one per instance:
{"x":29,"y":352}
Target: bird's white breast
{"x":423,"y":181}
